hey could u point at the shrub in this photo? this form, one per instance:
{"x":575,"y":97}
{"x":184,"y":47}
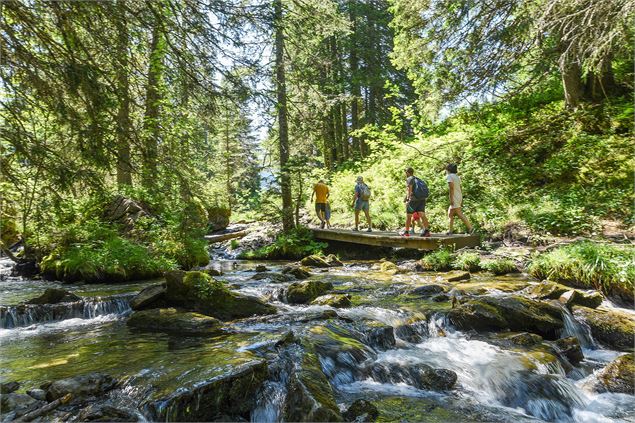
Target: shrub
{"x":440,"y":260}
{"x":292,"y":245}
{"x":500,"y":266}
{"x":470,"y":262}
{"x":607,"y":268}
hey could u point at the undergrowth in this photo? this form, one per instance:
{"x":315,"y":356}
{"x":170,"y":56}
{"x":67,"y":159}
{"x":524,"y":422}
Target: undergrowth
{"x":292,"y":245}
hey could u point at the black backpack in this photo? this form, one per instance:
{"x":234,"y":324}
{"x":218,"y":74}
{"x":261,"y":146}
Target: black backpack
{"x":420,"y":189}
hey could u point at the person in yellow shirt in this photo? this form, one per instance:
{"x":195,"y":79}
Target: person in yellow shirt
{"x":321,"y":193}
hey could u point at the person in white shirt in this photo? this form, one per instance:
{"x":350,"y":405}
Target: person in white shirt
{"x":456,"y":198}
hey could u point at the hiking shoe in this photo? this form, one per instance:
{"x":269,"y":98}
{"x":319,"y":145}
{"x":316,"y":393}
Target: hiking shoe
{"x":369,"y":230}
{"x":404,"y":233}
{"x":322,"y":225}
{"x":412,"y":231}
{"x":425,"y":233}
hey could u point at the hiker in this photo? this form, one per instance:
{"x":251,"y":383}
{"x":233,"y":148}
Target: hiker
{"x":327,"y":215}
{"x":360,"y":202}
{"x":321,"y":193}
{"x":416,"y":195}
{"x":456,"y":198}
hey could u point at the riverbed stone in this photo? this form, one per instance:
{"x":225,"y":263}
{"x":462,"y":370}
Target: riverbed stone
{"x":618,"y":376}
{"x":54,"y":296}
{"x":38,"y":394}
{"x":231,"y":395}
{"x":307,"y":291}
{"x":333,"y":300}
{"x":380,"y":336}
{"x":18,"y":402}
{"x":175,"y":321}
{"x":570,"y":348}
{"x":273,"y":277}
{"x":314,"y":261}
{"x":261,"y":268}
{"x":91,"y":384}
{"x":457,"y":275}
{"x":525,"y":339}
{"x":8,"y":387}
{"x":299,"y":272}
{"x":512,"y":312}
{"x":361,"y":411}
{"x":105,"y":412}
{"x":428,"y":290}
{"x":575,"y":297}
{"x":612,"y":328}
{"x":419,"y":375}
{"x":199,"y":292}
{"x":148,"y":296}
{"x":547,"y":290}
{"x":387,"y":267}
{"x":333,"y":261}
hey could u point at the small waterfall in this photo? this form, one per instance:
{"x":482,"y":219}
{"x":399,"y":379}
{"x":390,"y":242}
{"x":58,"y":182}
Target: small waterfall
{"x":580,"y":330}
{"x":88,"y":308}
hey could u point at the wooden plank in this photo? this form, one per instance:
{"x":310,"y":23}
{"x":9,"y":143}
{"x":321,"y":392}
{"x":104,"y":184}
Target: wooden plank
{"x":391,"y":239}
{"x":225,"y":237}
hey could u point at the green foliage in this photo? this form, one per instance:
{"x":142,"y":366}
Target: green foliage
{"x":499,"y":266}
{"x":292,"y":245}
{"x":470,"y":262}
{"x":205,"y":287}
{"x":440,"y":260}
{"x":607,"y":268}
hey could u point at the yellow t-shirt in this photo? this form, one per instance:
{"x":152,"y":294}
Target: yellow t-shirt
{"x":321,"y":191}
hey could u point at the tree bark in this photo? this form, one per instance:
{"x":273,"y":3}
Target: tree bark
{"x":354,"y":83}
{"x":572,"y":83}
{"x":124,"y":167}
{"x":283,"y":125}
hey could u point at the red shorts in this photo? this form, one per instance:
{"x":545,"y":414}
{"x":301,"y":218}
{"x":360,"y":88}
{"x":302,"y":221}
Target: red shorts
{"x":415,"y":215}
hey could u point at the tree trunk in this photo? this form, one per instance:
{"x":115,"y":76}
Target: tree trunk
{"x":283,"y":126}
{"x":572,"y":83}
{"x":124,"y":167}
{"x":355,"y":91}
{"x":151,"y":118}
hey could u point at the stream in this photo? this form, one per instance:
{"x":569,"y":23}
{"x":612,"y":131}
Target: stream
{"x":496,"y":380}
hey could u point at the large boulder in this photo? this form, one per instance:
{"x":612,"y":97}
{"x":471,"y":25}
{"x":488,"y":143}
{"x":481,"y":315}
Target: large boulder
{"x":218,"y":218}
{"x":148,"y":296}
{"x":428,"y":290}
{"x":333,"y":300}
{"x":124,"y":211}
{"x":525,"y":339}
{"x":172,"y":320}
{"x":513,"y":312}
{"x":299,"y":272}
{"x":18,"y":402}
{"x":232,"y":395}
{"x":547,"y":290}
{"x":91,"y":384}
{"x":618,"y":376}
{"x":613,"y":328}
{"x":314,"y":261}
{"x":54,"y":296}
{"x":361,"y":411}
{"x":575,"y":297}
{"x":307,"y":291}
{"x":199,"y":292}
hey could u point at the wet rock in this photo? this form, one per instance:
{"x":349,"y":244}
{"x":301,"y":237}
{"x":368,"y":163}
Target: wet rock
{"x":273,"y":277}
{"x":307,"y":291}
{"x":547,"y":290}
{"x":38,"y":394}
{"x":570,"y":348}
{"x":8,"y":387}
{"x":421,"y":376}
{"x":386,"y":267}
{"x":106,"y":413}
{"x":341,"y":346}
{"x":232,"y":395}
{"x":428,"y":290}
{"x":261,"y":268}
{"x":440,"y":298}
{"x":212,"y":272}
{"x":361,"y":411}
{"x":411,"y":266}
{"x":172,"y":320}
{"x":457,"y":275}
{"x":413,"y":332}
{"x":314,"y":261}
{"x":514,"y":312}
{"x":618,"y":376}
{"x":26,"y":268}
{"x":310,"y":395}
{"x":90,"y":384}
{"x":575,"y":297}
{"x":197,"y":291}
{"x":18,"y":402}
{"x":148,"y":296}
{"x":613,"y":328}
{"x":525,"y":339}
{"x":333,"y":300}
{"x":54,"y":296}
{"x":124,"y":211}
{"x":333,"y":261}
{"x":381,"y":336}
{"x":299,"y":272}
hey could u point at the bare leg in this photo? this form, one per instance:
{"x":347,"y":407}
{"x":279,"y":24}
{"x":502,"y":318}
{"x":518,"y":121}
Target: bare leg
{"x":356,"y":219}
{"x":368,"y":218}
{"x":408,"y":219}
{"x":451,"y":212}
{"x":465,"y":220}
{"x":424,"y":220}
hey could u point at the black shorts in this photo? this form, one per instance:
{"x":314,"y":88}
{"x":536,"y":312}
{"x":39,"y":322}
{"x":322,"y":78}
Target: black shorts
{"x":416,"y":205}
{"x":320,"y":207}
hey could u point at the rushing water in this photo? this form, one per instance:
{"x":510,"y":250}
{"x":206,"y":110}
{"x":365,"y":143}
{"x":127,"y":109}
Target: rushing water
{"x":496,"y":382}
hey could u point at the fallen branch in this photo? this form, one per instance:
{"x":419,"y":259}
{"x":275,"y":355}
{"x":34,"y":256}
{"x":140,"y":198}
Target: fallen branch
{"x":8,"y":252}
{"x":44,"y":409}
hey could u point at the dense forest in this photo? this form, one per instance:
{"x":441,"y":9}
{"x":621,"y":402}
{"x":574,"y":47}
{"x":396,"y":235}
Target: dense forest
{"x":131,"y":129}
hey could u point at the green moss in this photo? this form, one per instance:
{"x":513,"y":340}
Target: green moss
{"x":500,"y":266}
{"x":440,"y":260}
{"x":470,"y":262}
{"x":407,"y":409}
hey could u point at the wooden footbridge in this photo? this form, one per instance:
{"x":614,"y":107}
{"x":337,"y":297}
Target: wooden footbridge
{"x":393,"y":239}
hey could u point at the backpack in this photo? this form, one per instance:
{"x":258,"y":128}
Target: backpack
{"x":420,"y":189}
{"x":365,"y":192}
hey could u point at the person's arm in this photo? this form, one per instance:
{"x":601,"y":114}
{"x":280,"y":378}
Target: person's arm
{"x":451,"y":184}
{"x":409,"y":194}
{"x":355,"y":195}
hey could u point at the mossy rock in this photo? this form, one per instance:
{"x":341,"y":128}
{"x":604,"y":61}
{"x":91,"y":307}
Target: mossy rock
{"x":618,"y":376}
{"x":525,"y":339}
{"x":514,"y":312}
{"x":307,"y":291}
{"x":361,"y":411}
{"x":273,"y":277}
{"x":386,"y":266}
{"x":456,"y":276}
{"x":570,"y":348}
{"x":333,"y":300}
{"x":199,"y":292}
{"x":175,"y":321}
{"x":546,"y":290}
{"x":575,"y":297}
{"x":333,"y":261}
{"x":612,"y":328}
{"x":148,"y":297}
{"x":299,"y":272}
{"x":428,"y":290}
{"x":314,"y":261}
{"x":54,"y":296}
{"x":416,"y":409}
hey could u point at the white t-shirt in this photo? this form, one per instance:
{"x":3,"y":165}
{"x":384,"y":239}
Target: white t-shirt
{"x":457,"y":198}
